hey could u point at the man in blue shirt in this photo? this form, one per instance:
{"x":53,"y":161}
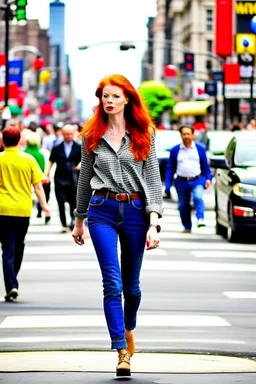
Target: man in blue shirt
{"x":189,"y":163}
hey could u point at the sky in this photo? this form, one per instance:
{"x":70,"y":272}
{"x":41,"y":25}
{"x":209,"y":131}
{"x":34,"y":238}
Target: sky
{"x":92,"y":23}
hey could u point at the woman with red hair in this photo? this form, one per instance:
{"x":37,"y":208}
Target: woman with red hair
{"x":120,"y":194}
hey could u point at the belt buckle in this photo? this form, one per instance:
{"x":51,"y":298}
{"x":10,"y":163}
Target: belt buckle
{"x":119,"y":194}
{"x":116,"y":197}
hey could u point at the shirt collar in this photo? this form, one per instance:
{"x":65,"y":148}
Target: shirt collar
{"x":106,"y":137}
{"x":68,"y":144}
{"x":193,"y":144}
{"x":12,"y":149}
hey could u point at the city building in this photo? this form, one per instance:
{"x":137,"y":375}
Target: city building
{"x":59,"y":61}
{"x":29,"y":34}
{"x":193,"y":27}
{"x":57,"y":33}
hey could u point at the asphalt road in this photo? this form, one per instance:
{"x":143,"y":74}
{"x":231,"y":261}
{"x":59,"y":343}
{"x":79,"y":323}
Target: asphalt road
{"x":107,"y":378}
{"x":199,"y":296}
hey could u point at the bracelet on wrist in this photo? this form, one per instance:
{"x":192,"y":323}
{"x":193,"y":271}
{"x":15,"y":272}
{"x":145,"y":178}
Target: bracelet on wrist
{"x":157,"y":227}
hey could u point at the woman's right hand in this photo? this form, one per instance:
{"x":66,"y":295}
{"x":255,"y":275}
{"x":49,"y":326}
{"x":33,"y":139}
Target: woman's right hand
{"x":80,"y":233}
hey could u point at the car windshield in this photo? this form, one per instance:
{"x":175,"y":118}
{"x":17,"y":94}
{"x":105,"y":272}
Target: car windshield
{"x":219,"y":141}
{"x":245,"y":154}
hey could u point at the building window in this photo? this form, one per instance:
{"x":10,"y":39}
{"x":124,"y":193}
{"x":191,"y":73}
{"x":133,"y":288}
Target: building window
{"x":209,"y":45}
{"x":208,"y":65}
{"x":209,"y":20}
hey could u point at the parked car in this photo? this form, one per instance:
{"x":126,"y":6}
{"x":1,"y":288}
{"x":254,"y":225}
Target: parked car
{"x":235,"y":187}
{"x":215,"y":142}
{"x":165,"y":140}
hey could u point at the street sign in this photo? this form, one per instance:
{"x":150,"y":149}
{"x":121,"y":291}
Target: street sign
{"x":217,"y":75}
{"x":16,"y":71}
{"x":210,"y":88}
{"x":244,"y":107}
{"x":239,"y":91}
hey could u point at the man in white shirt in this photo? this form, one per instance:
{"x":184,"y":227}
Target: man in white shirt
{"x":67,"y":156}
{"x":189,"y":163}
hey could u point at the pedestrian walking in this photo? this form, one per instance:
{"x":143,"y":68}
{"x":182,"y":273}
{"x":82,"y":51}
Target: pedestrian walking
{"x":67,"y":156}
{"x":33,"y":147}
{"x":120,"y":189}
{"x":48,"y":136}
{"x":189,"y":163}
{"x":18,"y":171}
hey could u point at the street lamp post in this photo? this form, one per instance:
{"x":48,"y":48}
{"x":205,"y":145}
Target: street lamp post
{"x":158,"y":43}
{"x":177,"y":46}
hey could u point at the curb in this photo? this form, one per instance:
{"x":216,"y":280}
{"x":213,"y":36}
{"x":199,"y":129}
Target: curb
{"x":93,"y":361}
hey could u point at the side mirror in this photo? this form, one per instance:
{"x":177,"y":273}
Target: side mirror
{"x":229,"y":163}
{"x":218,"y":161}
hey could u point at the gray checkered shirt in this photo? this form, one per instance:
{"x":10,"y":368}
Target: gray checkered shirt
{"x":118,"y":172}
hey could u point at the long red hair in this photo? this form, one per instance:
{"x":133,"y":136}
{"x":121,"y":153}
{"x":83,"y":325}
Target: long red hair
{"x":138,"y":119}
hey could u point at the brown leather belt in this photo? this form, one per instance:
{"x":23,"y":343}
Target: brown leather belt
{"x":189,"y":178}
{"x":119,"y":196}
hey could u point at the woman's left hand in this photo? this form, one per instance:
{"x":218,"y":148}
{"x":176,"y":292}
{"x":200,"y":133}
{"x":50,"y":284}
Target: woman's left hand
{"x":152,"y":239}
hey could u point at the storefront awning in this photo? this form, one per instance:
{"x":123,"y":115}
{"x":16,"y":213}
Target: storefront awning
{"x":192,"y":108}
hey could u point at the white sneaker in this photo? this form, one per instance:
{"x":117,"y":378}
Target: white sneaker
{"x":12,"y":294}
{"x":200,"y":223}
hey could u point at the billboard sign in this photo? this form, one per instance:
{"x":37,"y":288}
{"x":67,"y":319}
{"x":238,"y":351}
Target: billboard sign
{"x":246,"y":62}
{"x":244,"y":11}
{"x":224,"y":28}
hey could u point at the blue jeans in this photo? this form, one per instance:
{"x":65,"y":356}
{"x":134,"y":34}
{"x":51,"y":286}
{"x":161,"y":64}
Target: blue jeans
{"x":12,"y":235}
{"x":109,"y":219}
{"x":185,"y":189}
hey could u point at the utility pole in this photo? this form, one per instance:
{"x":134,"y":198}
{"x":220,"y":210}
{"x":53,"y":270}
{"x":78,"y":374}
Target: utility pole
{"x":7,"y":31}
{"x":7,"y":12}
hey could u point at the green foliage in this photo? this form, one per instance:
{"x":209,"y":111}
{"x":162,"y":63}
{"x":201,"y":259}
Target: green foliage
{"x":158,"y":98}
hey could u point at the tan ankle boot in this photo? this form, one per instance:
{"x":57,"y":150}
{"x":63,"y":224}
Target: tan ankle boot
{"x":123,"y":366}
{"x":130,"y":344}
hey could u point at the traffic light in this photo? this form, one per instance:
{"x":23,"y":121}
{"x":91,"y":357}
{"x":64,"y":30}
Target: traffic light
{"x":189,"y":62}
{"x":21,"y":13}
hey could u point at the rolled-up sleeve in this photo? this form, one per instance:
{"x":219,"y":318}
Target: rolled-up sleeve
{"x":154,"y":194}
{"x":84,"y":190}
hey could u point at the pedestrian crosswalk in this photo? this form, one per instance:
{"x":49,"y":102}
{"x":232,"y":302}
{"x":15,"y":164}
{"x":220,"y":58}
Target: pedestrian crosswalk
{"x":198,"y":257}
{"x":64,"y":321}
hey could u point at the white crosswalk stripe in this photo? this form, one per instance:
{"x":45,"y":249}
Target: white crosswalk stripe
{"x":99,"y":321}
{"x":151,"y":265}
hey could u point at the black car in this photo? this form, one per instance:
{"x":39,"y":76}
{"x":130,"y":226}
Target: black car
{"x":235,"y":187}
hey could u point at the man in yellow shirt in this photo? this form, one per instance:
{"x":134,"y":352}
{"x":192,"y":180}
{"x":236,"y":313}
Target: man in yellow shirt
{"x":18,"y":172}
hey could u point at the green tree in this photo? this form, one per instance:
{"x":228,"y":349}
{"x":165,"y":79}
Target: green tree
{"x":158,"y":98}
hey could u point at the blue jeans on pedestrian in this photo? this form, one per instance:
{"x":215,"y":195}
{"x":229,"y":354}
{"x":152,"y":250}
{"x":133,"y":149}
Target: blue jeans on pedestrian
{"x":109,"y":220}
{"x":13,"y":230}
{"x":185,"y":189}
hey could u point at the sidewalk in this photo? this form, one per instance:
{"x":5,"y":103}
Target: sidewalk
{"x":150,"y":363}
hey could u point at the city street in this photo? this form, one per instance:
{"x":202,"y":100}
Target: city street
{"x":199,"y":296}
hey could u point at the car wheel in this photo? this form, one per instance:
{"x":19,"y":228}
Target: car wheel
{"x":220,"y":230}
{"x":232,"y":235}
